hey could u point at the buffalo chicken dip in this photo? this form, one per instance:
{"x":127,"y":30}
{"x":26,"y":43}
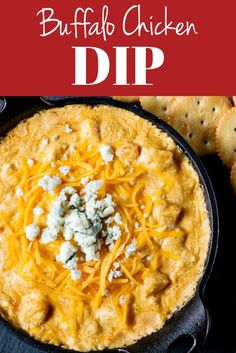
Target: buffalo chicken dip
{"x":104,"y":230}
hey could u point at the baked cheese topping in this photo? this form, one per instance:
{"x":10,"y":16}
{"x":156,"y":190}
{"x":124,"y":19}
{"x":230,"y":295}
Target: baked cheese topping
{"x":104,"y":230}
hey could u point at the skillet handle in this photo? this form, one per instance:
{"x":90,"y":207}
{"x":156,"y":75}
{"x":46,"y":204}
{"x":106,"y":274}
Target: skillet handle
{"x":12,"y":106}
{"x":2,"y":104}
{"x":185,"y":332}
{"x":57,"y":101}
{"x":193,"y":330}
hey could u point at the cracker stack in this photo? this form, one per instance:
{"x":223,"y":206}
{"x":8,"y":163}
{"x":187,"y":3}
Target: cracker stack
{"x":195,"y":118}
{"x":226,"y":142}
{"x":208,"y":123}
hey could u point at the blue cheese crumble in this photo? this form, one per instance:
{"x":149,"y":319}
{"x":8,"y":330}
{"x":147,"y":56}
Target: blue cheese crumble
{"x":68,"y":258}
{"x":49,"y":182}
{"x":84,"y":181}
{"x":64,"y":170}
{"x":82,"y":218}
{"x":44,"y":141}
{"x":32,"y":231}
{"x":38,"y":211}
{"x":68,"y":130}
{"x":30,"y":162}
{"x":107,"y":153}
{"x":67,"y":252}
{"x":115,"y":272}
{"x":72,"y":148}
{"x":19,"y":192}
{"x":130,"y":249}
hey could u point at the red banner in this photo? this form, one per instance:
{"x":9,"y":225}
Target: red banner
{"x":146,"y":47}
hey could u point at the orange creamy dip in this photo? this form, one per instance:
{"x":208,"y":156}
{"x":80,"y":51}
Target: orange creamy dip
{"x":149,"y":228}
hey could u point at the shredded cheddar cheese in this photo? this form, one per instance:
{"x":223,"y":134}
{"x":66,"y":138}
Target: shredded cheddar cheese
{"x":41,"y":259}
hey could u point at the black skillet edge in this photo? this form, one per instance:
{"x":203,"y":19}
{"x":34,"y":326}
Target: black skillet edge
{"x":193,"y":319}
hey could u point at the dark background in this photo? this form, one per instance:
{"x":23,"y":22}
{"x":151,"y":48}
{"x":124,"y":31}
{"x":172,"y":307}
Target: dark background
{"x":221,"y":288}
{"x":220,"y":293}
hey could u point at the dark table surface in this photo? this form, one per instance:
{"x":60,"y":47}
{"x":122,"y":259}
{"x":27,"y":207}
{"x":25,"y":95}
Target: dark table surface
{"x":221,"y":288}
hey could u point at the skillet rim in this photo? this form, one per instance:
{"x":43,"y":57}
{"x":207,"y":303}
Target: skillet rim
{"x":209,"y":195}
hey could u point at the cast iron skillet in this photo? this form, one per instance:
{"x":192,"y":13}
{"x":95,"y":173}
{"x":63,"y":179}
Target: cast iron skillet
{"x":187,"y":330}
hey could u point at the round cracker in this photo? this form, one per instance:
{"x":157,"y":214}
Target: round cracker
{"x":160,"y":106}
{"x":234,"y":99}
{"x":226,"y":138}
{"x":233,"y":177}
{"x":126,"y":99}
{"x":196,"y":119}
